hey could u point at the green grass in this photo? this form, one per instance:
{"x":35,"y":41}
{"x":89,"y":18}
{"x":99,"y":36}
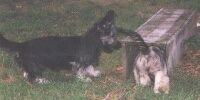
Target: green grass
{"x":27,"y":19}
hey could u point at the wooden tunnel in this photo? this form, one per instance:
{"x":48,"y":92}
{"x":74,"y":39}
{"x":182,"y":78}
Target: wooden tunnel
{"x":168,"y":28}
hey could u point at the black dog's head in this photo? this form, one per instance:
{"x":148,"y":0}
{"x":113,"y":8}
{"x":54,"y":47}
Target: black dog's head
{"x":107,"y":31}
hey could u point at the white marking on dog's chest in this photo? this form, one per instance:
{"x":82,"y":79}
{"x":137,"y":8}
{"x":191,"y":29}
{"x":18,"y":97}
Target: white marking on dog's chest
{"x":25,"y":75}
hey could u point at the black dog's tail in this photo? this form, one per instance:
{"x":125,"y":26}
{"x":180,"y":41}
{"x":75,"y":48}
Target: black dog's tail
{"x":139,"y":41}
{"x":8,"y":45}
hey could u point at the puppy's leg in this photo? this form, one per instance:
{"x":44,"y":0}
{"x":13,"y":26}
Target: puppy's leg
{"x":144,"y":78}
{"x":136,"y":76}
{"x":92,"y":72}
{"x":161,"y":83}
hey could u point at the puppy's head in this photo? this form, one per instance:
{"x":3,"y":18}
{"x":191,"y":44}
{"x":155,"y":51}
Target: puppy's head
{"x":107,"y":31}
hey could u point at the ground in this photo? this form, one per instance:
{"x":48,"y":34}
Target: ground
{"x":190,"y":64}
{"x":22,"y":20}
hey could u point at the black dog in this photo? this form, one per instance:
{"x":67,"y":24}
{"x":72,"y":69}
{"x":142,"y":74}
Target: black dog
{"x":76,"y":53}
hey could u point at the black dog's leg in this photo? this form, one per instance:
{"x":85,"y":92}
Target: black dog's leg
{"x":85,"y":73}
{"x":82,"y":75}
{"x":32,"y":72}
{"x":92,"y":72}
{"x":80,"y":72}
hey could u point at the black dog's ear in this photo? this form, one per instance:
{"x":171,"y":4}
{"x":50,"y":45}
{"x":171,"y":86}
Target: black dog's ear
{"x":110,"y":15}
{"x":108,"y":18}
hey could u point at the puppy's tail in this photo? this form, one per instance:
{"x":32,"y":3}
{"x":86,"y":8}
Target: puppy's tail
{"x":8,"y":45}
{"x":142,"y":46}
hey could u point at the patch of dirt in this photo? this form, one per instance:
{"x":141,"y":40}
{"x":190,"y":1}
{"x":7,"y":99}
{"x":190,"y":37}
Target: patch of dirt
{"x":103,"y":2}
{"x":116,"y":95}
{"x":6,"y":78}
{"x":191,"y":62}
{"x":116,"y":76}
{"x":113,"y":76}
